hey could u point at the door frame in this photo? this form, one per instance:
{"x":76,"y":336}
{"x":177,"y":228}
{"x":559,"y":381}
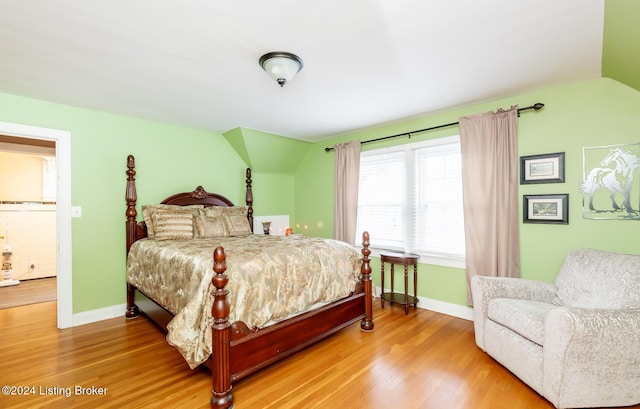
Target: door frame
{"x":62,"y":140}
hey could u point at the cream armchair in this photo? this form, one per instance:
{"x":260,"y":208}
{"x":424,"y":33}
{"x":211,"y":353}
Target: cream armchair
{"x":577,"y":341}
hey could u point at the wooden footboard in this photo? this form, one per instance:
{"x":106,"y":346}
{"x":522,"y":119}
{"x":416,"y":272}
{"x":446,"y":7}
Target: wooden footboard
{"x":234,"y":357}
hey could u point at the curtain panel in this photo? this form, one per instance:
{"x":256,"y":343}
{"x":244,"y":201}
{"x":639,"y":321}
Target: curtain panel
{"x":488,"y":144}
{"x":347,"y":175}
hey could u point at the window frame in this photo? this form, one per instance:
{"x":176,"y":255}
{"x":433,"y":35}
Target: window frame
{"x":446,"y":260}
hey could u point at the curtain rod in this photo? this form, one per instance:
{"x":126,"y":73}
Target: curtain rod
{"x":537,"y":106}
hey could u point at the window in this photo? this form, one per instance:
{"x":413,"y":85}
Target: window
{"x":410,"y":199}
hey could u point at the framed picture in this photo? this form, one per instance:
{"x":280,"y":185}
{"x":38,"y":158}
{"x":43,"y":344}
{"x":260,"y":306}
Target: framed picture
{"x":552,"y":209}
{"x":547,"y":168}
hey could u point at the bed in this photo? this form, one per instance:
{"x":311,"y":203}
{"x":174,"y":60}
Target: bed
{"x":238,"y":343}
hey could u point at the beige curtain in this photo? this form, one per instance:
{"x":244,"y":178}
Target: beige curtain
{"x":347,"y":174}
{"x":490,"y":194}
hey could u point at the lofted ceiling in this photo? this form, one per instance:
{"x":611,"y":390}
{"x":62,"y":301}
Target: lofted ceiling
{"x":194,"y":63}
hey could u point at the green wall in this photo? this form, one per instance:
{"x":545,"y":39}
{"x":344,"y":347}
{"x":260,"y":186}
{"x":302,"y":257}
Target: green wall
{"x":592,"y":113}
{"x":171,"y":158}
{"x":274,"y":194}
{"x":275,"y":159}
{"x":168,"y":159}
{"x":621,"y":42}
{"x":296,"y":178}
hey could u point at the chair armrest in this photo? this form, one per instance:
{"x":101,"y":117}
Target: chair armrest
{"x":591,"y":353}
{"x":484,"y":289}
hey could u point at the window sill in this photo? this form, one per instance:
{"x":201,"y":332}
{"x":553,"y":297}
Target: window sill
{"x":436,"y":260}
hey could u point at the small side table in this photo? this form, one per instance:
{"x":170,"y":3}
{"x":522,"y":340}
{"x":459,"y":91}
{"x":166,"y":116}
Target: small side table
{"x":406,"y":260}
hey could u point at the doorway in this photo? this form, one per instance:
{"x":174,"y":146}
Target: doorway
{"x":62,"y":142}
{"x":27,"y":221}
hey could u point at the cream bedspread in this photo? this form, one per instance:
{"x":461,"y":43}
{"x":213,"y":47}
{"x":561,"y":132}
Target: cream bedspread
{"x":270,"y":278}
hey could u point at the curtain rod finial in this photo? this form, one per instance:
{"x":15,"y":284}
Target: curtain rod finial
{"x":538,"y":106}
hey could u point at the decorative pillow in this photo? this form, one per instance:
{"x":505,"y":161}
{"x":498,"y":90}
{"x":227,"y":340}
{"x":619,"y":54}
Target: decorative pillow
{"x":209,"y":226}
{"x":235,"y":220}
{"x":237,"y":224}
{"x":234,"y":217}
{"x":147,"y":211}
{"x":173,"y":224}
{"x":217,"y":211}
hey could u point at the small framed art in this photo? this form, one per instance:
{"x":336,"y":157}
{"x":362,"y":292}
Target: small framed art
{"x":553,"y":209}
{"x":547,"y":168}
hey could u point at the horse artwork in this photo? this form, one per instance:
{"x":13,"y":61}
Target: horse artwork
{"x":611,"y":190}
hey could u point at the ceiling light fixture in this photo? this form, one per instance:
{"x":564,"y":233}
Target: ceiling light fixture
{"x":281,"y":66}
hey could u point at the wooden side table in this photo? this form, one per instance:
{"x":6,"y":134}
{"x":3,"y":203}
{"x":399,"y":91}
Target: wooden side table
{"x":406,"y":260}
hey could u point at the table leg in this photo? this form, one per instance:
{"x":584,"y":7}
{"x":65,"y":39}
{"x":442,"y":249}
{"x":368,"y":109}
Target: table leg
{"x":382,"y":284}
{"x":406,"y":289}
{"x":392,"y":286}
{"x":415,"y":285}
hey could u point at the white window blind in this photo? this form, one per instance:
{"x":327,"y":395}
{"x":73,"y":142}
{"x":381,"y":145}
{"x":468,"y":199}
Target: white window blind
{"x":381,"y":198}
{"x":410,"y":199}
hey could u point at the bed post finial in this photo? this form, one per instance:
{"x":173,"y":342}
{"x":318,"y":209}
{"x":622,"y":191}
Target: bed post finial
{"x":367,"y":322}
{"x":131,"y":197}
{"x":221,"y":396}
{"x":249,"y":199}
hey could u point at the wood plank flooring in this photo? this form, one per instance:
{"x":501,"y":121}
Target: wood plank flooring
{"x":419,"y":360}
{"x":29,"y":292}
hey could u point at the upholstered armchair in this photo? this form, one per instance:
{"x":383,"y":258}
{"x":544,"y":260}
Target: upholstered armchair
{"x":576,"y":341}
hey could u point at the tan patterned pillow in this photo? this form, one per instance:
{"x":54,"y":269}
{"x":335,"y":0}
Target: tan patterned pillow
{"x":173,"y":224}
{"x":209,"y":226}
{"x":216,"y":211}
{"x":147,"y":211}
{"x":235,"y":219}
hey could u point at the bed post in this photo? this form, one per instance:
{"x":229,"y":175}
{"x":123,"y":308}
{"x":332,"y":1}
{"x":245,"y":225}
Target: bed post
{"x":367,"y":322}
{"x":249,"y":199}
{"x":131,"y":197}
{"x":221,"y":396}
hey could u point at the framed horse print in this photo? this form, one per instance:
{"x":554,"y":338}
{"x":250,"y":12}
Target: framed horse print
{"x":611,"y":182}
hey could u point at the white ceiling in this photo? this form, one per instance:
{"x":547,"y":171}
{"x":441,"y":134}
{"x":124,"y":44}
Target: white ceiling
{"x":195,"y":63}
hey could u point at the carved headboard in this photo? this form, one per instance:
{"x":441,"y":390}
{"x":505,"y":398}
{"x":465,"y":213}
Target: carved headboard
{"x":136,"y":230}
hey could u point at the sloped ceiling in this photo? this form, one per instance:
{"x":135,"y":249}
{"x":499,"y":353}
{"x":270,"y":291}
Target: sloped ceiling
{"x":264,"y":152}
{"x":367,"y":62}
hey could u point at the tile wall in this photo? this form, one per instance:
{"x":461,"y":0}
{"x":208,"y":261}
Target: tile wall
{"x":31,"y":233}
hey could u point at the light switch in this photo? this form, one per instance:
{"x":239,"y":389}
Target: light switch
{"x":76,"y":211}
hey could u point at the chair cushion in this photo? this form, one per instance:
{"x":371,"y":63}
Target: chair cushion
{"x":599,"y":279}
{"x":521,"y":316}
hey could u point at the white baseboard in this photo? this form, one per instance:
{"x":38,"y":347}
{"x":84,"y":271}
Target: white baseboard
{"x":87,"y":317}
{"x":455,"y":310}
{"x":442,"y":307}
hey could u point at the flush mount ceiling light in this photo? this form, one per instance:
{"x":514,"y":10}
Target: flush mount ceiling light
{"x":281,"y":66}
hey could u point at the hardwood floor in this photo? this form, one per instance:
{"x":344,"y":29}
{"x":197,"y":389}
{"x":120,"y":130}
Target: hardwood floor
{"x":29,"y":292}
{"x":420,"y":360}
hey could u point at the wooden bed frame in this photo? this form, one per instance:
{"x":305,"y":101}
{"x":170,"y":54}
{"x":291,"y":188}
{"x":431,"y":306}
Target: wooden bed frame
{"x":238,"y":351}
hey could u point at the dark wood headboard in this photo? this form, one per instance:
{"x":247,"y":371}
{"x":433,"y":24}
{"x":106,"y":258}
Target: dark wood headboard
{"x":136,"y":230}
